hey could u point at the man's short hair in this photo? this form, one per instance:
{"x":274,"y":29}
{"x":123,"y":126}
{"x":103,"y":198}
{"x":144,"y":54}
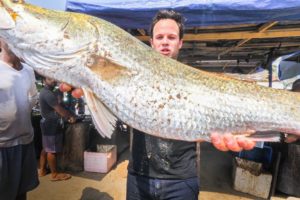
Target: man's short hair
{"x":168,"y":14}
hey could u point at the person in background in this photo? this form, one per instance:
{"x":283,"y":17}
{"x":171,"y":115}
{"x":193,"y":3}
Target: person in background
{"x":75,"y":105}
{"x":162,"y":168}
{"x":52,"y":131}
{"x":18,"y":95}
{"x":289,"y":172}
{"x":295,"y":88}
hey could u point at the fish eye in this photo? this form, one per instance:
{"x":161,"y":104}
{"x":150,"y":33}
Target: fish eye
{"x":17,"y":1}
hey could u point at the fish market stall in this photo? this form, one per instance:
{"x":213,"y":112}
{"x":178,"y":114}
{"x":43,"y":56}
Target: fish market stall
{"x":109,"y":90}
{"x":80,"y":136}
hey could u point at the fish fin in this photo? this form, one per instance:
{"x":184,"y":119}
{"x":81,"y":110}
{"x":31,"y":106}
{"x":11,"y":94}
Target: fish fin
{"x":107,"y":69}
{"x":7,"y":22}
{"x":103,"y":119}
{"x":254,"y":77}
{"x":260,"y":76}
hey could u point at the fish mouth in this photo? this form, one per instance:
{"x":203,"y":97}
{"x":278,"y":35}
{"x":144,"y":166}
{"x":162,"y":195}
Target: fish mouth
{"x":7,"y":14}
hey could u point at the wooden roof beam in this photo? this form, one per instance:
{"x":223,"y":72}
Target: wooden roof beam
{"x":262,"y":29}
{"x":238,"y":35}
{"x":141,"y":31}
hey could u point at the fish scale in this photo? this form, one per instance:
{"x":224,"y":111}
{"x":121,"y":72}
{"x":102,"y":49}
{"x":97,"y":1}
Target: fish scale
{"x":144,"y":89}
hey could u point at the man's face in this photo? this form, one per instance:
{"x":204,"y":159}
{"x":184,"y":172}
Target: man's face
{"x":166,"y":38}
{"x":50,"y":82}
{"x":7,"y":54}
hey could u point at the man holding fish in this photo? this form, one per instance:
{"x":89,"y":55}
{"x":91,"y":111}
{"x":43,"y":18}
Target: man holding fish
{"x":162,"y":168}
{"x":123,"y":78}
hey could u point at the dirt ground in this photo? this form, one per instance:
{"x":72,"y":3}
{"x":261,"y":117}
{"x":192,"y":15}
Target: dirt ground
{"x":215,"y":181}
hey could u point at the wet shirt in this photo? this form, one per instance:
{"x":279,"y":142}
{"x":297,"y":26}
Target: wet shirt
{"x":18,"y":94}
{"x":289,"y":171}
{"x":162,"y":158}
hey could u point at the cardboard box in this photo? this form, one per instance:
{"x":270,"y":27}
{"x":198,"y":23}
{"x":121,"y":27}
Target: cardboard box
{"x":102,"y":160}
{"x":248,"y":177}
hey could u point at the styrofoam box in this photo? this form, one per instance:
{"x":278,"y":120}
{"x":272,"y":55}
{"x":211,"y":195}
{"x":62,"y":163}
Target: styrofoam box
{"x":100,"y":162}
{"x":255,"y":184}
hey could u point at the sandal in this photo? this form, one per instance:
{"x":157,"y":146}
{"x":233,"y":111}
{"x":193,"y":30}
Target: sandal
{"x":60,"y":177}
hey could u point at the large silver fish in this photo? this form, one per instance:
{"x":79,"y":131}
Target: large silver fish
{"x":124,"y":78}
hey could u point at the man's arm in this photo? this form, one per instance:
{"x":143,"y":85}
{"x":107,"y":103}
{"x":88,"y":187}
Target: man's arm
{"x":65,"y":113}
{"x":33,"y":94}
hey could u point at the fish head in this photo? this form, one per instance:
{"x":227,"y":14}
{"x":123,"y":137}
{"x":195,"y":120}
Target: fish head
{"x":74,"y":48}
{"x":24,"y":22}
{"x":7,"y":15}
{"x":51,"y":42}
{"x":15,"y":11}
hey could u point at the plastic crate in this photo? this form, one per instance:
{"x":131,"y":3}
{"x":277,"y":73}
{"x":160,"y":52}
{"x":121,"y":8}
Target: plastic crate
{"x":262,"y":155}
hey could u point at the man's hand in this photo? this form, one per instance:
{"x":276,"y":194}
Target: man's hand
{"x":76,"y":92}
{"x":64,"y":87}
{"x":72,"y":119}
{"x":291,"y":138}
{"x":228,"y":142}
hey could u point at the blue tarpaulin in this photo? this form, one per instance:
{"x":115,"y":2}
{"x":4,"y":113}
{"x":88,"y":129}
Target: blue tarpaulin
{"x":138,"y":13}
{"x":288,"y":66}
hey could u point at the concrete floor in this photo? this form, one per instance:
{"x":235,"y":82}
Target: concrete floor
{"x":215,"y":181}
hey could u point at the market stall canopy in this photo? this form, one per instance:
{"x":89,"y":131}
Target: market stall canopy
{"x":220,"y":35}
{"x":137,"y":14}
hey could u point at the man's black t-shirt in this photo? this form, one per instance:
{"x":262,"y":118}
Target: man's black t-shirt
{"x":162,"y":158}
{"x":48,"y":100}
{"x":50,"y":124}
